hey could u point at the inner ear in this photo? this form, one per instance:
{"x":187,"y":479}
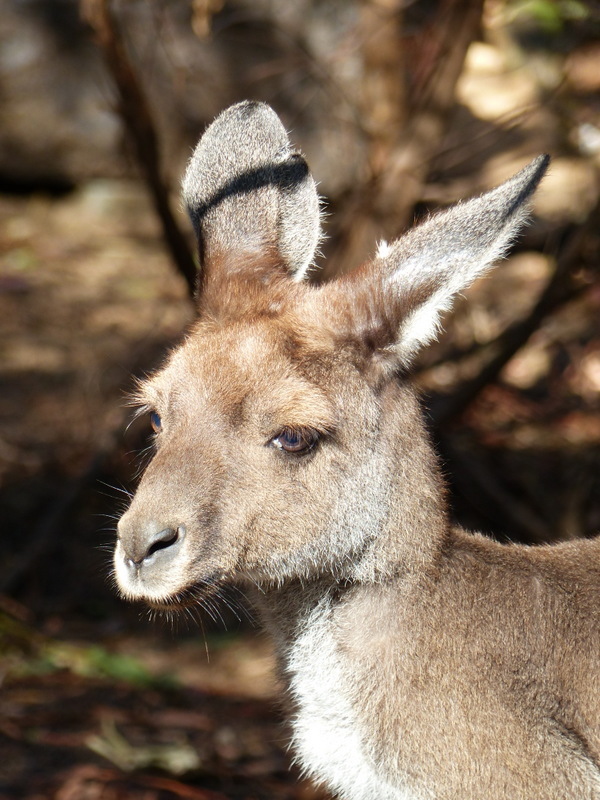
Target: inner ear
{"x":359,"y":307}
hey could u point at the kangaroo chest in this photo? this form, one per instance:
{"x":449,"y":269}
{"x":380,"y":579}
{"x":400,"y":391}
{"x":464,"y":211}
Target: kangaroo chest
{"x":327,"y":737}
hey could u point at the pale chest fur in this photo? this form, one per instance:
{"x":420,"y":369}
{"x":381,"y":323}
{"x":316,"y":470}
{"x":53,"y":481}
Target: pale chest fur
{"x":327,"y":739}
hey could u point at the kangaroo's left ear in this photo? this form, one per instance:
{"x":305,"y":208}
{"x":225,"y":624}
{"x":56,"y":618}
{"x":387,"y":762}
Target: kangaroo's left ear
{"x":397,"y":299}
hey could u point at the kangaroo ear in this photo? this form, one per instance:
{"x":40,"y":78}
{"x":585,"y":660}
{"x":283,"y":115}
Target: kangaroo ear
{"x":398,"y":298}
{"x":248,"y":192}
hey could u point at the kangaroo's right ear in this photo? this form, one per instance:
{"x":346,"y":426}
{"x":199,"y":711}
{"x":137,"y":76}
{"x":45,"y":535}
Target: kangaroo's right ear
{"x":248,"y":192}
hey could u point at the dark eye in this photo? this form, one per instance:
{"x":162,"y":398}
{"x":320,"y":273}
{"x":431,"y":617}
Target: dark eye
{"x":296,"y":440}
{"x":155,"y":421}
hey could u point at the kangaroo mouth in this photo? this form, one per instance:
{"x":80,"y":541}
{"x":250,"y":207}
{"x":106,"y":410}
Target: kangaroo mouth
{"x":190,"y":597}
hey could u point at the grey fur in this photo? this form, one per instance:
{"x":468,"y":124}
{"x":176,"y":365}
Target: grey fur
{"x":247,"y":189}
{"x":421,"y":662}
{"x":441,"y":257}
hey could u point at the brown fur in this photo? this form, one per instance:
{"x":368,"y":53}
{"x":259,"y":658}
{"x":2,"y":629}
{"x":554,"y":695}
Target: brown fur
{"x":421,"y":661}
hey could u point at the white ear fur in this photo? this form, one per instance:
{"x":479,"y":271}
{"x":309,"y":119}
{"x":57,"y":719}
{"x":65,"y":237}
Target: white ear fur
{"x":437,"y":260}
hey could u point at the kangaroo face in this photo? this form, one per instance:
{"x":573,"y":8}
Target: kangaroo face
{"x":252,"y":475}
{"x":291,"y":453}
{"x":287,"y":442}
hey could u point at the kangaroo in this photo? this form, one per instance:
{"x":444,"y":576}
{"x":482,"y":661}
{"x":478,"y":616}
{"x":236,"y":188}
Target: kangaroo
{"x":421,"y":662}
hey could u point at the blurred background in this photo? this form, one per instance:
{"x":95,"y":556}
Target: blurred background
{"x":401,"y":106}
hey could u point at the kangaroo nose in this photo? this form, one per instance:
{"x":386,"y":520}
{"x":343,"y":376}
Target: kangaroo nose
{"x":144,"y":548}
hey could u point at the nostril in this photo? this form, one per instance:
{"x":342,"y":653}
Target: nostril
{"x":164,"y":539}
{"x":139,"y":546}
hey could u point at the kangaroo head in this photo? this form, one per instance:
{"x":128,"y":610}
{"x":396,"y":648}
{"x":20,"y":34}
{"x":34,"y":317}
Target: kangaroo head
{"x":289,"y":443}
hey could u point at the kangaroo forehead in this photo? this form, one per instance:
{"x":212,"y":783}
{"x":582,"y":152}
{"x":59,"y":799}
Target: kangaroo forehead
{"x":245,"y":350}
{"x":233,"y":367}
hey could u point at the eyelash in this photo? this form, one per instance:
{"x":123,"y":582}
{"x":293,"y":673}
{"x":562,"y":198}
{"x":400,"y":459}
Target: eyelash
{"x":296,"y":441}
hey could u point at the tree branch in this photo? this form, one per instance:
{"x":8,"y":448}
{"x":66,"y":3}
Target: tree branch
{"x":561,"y":289}
{"x":135,"y":113}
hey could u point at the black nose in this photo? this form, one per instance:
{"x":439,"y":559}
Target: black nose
{"x":152,"y":544}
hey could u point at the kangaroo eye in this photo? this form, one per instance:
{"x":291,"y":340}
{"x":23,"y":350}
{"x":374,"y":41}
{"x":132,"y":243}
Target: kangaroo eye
{"x":155,"y":421}
{"x":296,"y":440}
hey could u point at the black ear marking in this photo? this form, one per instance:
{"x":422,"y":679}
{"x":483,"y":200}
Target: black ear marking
{"x":286,"y":176}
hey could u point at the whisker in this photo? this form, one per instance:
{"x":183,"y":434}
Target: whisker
{"x":218,"y":614}
{"x":240,"y":605}
{"x":201,"y":623}
{"x":120,"y":489}
{"x":223,"y":599}
{"x":114,"y":517}
{"x":206,"y":607}
{"x":105,"y":548}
